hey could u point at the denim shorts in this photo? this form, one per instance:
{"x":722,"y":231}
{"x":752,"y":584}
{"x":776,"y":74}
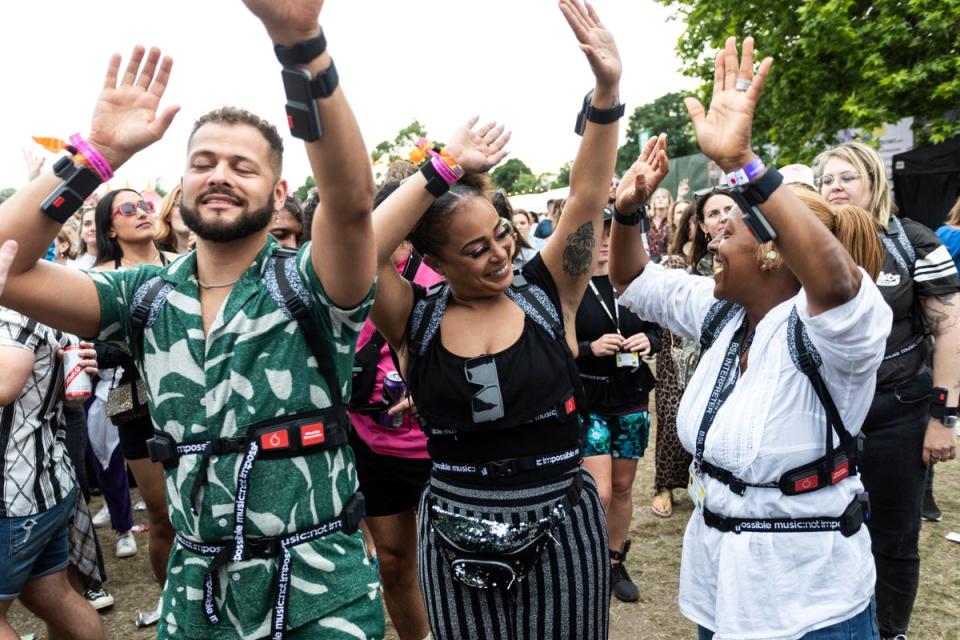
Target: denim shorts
{"x":34,"y":546}
{"x":862,"y":626}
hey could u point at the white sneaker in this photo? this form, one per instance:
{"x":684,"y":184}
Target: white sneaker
{"x":102,"y":517}
{"x":126,"y":545}
{"x":98,"y":598}
{"x":148,"y":618}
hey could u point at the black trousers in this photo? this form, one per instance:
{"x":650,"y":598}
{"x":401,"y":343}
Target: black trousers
{"x":895,"y":476}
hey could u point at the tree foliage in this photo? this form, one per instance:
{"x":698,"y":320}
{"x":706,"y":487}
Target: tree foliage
{"x":404,"y":141}
{"x":514,"y":176}
{"x":304,"y":189}
{"x":563,"y":177}
{"x":667,"y":115}
{"x":838,"y":64}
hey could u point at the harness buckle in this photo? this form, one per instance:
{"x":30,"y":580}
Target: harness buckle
{"x":855,"y":515}
{"x":353,"y":512}
{"x":498,"y":468}
{"x":161,"y":448}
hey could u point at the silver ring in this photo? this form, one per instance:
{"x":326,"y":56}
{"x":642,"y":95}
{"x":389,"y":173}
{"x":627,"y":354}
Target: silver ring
{"x":742,"y":85}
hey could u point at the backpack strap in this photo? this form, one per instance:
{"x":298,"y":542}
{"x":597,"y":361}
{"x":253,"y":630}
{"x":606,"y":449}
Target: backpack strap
{"x":895,"y":239}
{"x":536,"y":305}
{"x":408,"y":273}
{"x":299,"y":310}
{"x":147,"y":302}
{"x":718,"y":316}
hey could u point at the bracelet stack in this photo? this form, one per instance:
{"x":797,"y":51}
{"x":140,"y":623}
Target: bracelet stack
{"x":437,"y":165}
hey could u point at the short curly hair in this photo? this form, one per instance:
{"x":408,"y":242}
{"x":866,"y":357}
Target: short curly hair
{"x":234,"y":116}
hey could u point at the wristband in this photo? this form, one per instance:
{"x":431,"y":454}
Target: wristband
{"x":631,"y":219}
{"x":939,"y":409}
{"x":436,"y":185}
{"x":597,"y":116}
{"x":748,"y":197}
{"x":303,"y":52}
{"x":92,"y":157}
{"x":446,"y":166}
{"x":78,"y":183}
{"x":325,"y":83}
{"x":745,"y":175}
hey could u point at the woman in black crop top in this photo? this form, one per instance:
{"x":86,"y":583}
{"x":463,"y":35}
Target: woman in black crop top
{"x":488,"y":358}
{"x":612,"y":343}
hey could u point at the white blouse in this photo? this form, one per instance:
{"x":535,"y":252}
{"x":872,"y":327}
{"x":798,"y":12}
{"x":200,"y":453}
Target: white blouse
{"x":771,"y":585}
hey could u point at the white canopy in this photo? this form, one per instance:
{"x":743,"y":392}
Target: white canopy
{"x":537,"y":202}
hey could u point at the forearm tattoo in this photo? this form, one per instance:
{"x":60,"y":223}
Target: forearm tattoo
{"x":578,"y":254}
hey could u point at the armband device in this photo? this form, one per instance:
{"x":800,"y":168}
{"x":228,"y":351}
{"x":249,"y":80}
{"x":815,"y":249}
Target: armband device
{"x":630,"y":219}
{"x":597,"y":116}
{"x":750,"y":195}
{"x":78,"y":183}
{"x":302,"y":88}
{"x":939,"y":409}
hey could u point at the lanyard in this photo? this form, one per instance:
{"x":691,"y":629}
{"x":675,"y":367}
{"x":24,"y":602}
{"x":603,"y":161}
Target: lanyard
{"x":726,"y":380}
{"x":606,"y":309}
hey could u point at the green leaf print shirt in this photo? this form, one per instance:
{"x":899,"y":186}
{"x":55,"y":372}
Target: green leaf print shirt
{"x":254,"y":365}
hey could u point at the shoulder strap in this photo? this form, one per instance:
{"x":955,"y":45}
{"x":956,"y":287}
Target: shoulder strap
{"x":898,"y":244}
{"x":301,"y":313}
{"x":425,"y":318}
{"x":140,"y":312}
{"x":807,"y":360}
{"x":719,"y":314}
{"x":534,"y":302}
{"x":408,"y":273}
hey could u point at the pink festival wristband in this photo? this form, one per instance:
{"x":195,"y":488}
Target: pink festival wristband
{"x":94,"y":157}
{"x":449,"y":174}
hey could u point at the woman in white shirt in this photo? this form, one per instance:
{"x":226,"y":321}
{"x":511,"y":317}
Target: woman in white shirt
{"x":775,"y":548}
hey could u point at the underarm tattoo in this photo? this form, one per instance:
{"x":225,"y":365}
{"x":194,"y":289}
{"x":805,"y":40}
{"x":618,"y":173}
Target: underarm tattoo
{"x":578,"y":254}
{"x":941,"y":312}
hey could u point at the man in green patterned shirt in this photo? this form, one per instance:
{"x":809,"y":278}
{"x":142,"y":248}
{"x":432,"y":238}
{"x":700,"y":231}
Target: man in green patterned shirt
{"x":220,"y":352}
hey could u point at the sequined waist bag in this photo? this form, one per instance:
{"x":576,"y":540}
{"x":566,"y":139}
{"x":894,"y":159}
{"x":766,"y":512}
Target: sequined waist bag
{"x":486,"y":554}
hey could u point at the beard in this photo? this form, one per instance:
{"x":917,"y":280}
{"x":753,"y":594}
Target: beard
{"x":249,"y":223}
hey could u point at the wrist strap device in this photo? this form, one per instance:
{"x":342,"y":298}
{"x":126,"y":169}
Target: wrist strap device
{"x":939,"y":409}
{"x":302,"y":52}
{"x":302,"y":91}
{"x":78,"y":183}
{"x":436,"y":185}
{"x":597,"y":116}
{"x":630,"y":219}
{"x":748,"y":198}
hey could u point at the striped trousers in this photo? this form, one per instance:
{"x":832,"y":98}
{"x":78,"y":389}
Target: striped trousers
{"x":567,"y":593}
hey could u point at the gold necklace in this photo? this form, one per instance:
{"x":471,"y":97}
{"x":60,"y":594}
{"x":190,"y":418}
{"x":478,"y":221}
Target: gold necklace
{"x":204,"y":285}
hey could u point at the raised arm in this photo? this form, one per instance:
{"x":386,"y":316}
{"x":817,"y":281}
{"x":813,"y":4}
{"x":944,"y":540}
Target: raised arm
{"x":627,"y":255}
{"x":826,"y":271}
{"x":125,"y":121}
{"x":343,"y":252}
{"x":572,"y":248}
{"x":477,"y":150}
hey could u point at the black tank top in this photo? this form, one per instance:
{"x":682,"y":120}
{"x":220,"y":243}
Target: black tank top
{"x":536,"y":386}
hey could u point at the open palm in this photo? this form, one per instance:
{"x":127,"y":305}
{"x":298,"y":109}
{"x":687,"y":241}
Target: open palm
{"x":479,"y":149}
{"x":724,"y":133}
{"x":643,"y":177}
{"x":595,"y":41}
{"x":125,"y":118}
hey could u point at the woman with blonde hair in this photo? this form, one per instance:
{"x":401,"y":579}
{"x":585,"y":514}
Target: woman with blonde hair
{"x":910,"y":422}
{"x":658,"y":234}
{"x":949,"y":233}
{"x":172,"y":234}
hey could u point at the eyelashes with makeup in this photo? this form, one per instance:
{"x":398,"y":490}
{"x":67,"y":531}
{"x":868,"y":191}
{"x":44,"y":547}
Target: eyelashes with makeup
{"x":505,"y":231}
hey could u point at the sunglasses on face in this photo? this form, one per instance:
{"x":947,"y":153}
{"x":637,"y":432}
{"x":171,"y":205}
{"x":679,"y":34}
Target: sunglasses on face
{"x":130,"y":208}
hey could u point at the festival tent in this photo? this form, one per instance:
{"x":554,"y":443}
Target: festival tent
{"x":537,"y":202}
{"x":927,"y":181}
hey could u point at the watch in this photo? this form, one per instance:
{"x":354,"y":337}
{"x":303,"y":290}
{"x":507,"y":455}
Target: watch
{"x":598,"y":116}
{"x":630,"y":219}
{"x":939,"y":409}
{"x":302,"y":52}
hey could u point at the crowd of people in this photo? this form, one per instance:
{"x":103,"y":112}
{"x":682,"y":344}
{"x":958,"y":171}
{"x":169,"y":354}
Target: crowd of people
{"x":412,"y":394}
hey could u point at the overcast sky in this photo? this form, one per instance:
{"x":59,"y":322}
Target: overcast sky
{"x":439,"y":62}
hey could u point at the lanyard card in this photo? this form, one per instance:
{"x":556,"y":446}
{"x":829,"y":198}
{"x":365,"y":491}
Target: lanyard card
{"x":628,"y":359}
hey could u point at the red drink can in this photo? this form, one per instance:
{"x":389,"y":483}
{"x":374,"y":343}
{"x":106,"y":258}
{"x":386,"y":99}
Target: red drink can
{"x":77,"y":384}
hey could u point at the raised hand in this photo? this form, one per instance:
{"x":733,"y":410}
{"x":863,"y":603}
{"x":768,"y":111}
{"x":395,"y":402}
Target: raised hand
{"x":34,"y":163}
{"x":478,"y":149}
{"x":683,"y":188}
{"x":595,"y":41}
{"x":125,"y":119}
{"x":724,"y":133}
{"x":644,"y":176}
{"x":287,"y":21}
